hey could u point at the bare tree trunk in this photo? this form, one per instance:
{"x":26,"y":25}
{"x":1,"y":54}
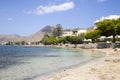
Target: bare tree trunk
{"x":113,"y":42}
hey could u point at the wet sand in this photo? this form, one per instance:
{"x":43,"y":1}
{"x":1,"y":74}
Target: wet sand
{"x":107,"y":68}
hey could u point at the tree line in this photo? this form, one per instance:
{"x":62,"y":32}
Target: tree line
{"x":56,"y":37}
{"x":103,"y":28}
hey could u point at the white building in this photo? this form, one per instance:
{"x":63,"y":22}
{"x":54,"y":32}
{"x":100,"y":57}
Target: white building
{"x":67,"y":33}
{"x":4,"y":43}
{"x":81,"y":31}
{"x":70,"y":33}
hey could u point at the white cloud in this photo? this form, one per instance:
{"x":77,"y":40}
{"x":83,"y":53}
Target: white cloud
{"x":10,"y":19}
{"x":107,"y":18}
{"x":40,"y":10}
{"x":102,"y":0}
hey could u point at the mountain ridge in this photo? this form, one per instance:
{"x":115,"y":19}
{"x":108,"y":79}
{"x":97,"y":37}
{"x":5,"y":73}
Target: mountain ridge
{"x":37,"y":36}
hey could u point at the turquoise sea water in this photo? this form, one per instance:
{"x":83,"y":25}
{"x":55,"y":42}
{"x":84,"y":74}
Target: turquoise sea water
{"x":19,"y":63}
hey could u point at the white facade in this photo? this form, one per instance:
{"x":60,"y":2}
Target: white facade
{"x":4,"y":43}
{"x":67,"y":33}
{"x":70,"y":33}
{"x":81,"y":31}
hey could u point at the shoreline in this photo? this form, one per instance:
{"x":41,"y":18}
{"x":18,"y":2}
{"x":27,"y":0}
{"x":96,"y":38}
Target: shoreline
{"x":43,"y":75}
{"x":88,"y":70}
{"x":61,"y":70}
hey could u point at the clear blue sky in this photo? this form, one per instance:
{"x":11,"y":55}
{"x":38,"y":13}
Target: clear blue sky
{"x":24,"y":17}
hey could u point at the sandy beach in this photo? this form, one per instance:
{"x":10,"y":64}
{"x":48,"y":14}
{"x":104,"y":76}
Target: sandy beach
{"x":107,"y":68}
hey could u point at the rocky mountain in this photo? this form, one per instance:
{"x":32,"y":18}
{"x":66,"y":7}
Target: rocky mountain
{"x":6,"y":38}
{"x":47,"y":29}
{"x":37,"y":36}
